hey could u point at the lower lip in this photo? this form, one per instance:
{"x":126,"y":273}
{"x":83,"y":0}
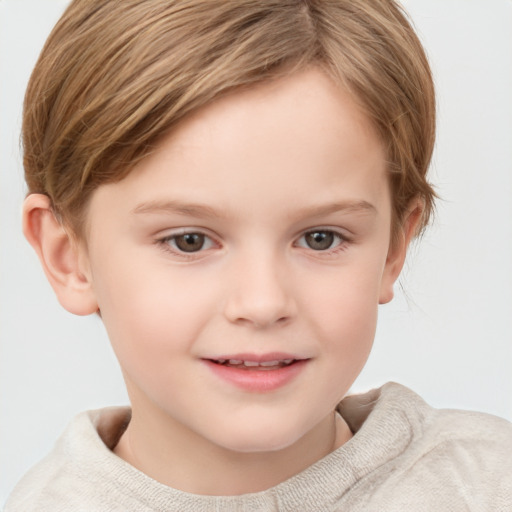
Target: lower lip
{"x":258,"y":381}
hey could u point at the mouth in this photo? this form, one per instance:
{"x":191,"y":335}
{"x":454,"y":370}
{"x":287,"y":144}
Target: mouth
{"x":247,"y":364}
{"x":257,"y":374}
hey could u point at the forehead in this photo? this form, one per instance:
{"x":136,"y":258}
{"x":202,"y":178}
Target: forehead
{"x":297,"y":139}
{"x":310,"y":113}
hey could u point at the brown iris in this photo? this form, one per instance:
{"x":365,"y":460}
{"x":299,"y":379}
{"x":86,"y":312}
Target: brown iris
{"x":189,"y":242}
{"x":319,"y":240}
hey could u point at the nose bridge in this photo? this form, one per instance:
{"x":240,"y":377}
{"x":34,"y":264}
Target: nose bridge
{"x":260,"y":291}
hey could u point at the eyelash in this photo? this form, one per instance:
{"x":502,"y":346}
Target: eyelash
{"x":165,"y":243}
{"x":341,"y":245}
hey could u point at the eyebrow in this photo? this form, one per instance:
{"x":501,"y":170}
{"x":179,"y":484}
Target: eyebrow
{"x":205,"y":211}
{"x":363,"y":207}
{"x":179,"y":208}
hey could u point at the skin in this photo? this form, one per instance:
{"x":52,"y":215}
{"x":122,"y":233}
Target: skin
{"x":253,"y":172}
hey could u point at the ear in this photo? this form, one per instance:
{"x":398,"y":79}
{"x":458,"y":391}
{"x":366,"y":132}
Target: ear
{"x":398,"y":250}
{"x":63,"y":260}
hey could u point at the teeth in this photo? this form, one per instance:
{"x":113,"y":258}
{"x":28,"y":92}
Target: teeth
{"x":252,"y":363}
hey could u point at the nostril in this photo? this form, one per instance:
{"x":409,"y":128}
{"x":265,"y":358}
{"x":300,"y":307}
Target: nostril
{"x":259,"y":301}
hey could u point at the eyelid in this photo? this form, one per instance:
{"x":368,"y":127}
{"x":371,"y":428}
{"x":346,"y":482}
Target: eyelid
{"x":164,"y":242}
{"x":180,"y":231}
{"x":344,"y":239}
{"x":341,"y":232}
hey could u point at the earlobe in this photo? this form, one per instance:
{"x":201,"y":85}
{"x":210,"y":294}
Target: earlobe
{"x":59,"y":255}
{"x":398,"y":251}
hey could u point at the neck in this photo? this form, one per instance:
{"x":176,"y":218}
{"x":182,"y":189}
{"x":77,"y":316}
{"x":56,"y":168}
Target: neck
{"x":179,"y":458}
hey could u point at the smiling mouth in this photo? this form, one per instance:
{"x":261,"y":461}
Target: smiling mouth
{"x":254,"y":365}
{"x":257,"y":373}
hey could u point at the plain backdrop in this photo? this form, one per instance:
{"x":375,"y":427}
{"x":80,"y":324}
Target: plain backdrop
{"x":447,"y":334}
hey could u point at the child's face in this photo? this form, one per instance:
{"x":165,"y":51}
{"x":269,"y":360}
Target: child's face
{"x":258,"y":231}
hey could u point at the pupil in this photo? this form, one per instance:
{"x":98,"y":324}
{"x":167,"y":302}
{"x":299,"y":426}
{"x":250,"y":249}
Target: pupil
{"x":320,"y":240}
{"x":190,"y":242}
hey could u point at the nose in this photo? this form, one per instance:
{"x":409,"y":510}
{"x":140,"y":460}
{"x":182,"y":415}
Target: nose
{"x":260,"y":294}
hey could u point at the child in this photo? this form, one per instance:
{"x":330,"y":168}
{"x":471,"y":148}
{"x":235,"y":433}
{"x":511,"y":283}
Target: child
{"x":232,"y":187}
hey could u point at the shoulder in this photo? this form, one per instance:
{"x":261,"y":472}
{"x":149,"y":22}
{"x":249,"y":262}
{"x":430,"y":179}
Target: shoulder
{"x":460,"y":435}
{"x":67,"y":476}
{"x":465,"y":453}
{"x":402,"y":418}
{"x":475,"y":446}
{"x":478,"y":429}
{"x":421,"y":458}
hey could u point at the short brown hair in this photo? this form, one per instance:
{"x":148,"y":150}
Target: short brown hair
{"x":113,"y":77}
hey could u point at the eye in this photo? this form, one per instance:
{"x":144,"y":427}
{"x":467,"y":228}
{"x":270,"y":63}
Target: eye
{"x":320,"y":240}
{"x":188,"y":242}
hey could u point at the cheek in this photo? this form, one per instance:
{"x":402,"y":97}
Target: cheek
{"x":343,"y":308}
{"x":150,"y":316}
{"x":341,"y":312}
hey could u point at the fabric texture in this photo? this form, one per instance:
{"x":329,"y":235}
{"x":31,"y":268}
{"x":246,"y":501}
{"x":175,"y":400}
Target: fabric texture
{"x":404,"y":456}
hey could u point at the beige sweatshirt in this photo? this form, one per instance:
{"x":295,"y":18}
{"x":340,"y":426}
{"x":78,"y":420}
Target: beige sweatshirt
{"x":404,"y":456}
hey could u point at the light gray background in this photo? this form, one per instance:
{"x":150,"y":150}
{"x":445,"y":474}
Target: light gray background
{"x":449,"y":337}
